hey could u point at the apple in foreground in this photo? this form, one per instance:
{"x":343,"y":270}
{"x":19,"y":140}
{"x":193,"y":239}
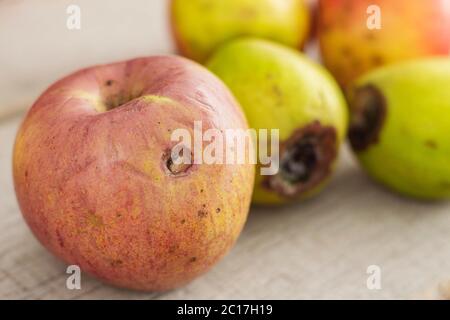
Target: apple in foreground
{"x":200,"y":26}
{"x":357,"y":36}
{"x":96,"y":183}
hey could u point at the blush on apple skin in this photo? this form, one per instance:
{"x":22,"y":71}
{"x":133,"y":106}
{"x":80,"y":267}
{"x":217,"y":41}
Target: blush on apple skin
{"x":92,"y":181}
{"x":409,"y":30}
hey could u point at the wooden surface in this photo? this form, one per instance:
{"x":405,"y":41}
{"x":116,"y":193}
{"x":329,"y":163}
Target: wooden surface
{"x":316,"y":250}
{"x":319,"y":249}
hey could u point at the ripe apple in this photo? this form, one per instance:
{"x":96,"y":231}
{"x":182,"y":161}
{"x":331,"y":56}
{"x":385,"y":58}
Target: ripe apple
{"x":200,"y":26}
{"x":97,"y":185}
{"x":359,"y":35}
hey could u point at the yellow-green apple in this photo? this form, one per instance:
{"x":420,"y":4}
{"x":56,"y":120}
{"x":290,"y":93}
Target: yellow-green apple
{"x":359,"y":35}
{"x":400,"y":126}
{"x":96,"y":181}
{"x":280,"y":88}
{"x":200,"y":26}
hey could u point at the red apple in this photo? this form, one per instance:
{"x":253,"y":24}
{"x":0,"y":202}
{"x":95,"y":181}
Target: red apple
{"x":357,"y":36}
{"x":96,"y":185}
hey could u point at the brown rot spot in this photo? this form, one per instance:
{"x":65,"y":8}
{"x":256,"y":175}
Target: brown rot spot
{"x":193,"y":259}
{"x":202,"y":213}
{"x":306,"y":159}
{"x":218,"y":210}
{"x":176,"y":163}
{"x":431,"y":144}
{"x":183,"y":221}
{"x":368,"y":113}
{"x":109,"y":83}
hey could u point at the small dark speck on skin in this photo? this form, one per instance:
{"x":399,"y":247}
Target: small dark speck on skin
{"x":193,"y":259}
{"x":377,"y":60}
{"x":277,"y":91}
{"x":116,"y":263}
{"x":202,"y":213}
{"x":201,"y":190}
{"x":370,"y":36}
{"x":218,"y":210}
{"x":26,"y":173}
{"x":109,"y":83}
{"x":431,"y":144}
{"x":183,"y":221}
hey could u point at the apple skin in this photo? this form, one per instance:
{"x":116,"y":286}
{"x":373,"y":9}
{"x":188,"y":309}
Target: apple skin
{"x":409,"y":29}
{"x":280,"y":88}
{"x":200,"y":26}
{"x":94,"y":186}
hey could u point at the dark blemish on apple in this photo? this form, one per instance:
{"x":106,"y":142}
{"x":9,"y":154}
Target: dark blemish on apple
{"x":26,"y":173}
{"x":368,"y":113}
{"x":346,"y":51}
{"x":277,"y":91}
{"x":431,"y":144}
{"x":218,"y":210}
{"x":306,"y":159}
{"x":201,"y":190}
{"x":193,"y":259}
{"x":202,"y":213}
{"x":116,"y":263}
{"x":109,"y":83}
{"x":370,"y":36}
{"x":377,"y":60}
{"x":60,"y":239}
{"x":183,"y":221}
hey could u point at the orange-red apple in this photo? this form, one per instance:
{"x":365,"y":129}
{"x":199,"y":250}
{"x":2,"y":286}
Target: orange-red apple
{"x":97,"y":185}
{"x":359,"y":35}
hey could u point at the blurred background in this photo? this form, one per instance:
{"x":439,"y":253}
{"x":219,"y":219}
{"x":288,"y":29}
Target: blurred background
{"x":321,"y":249}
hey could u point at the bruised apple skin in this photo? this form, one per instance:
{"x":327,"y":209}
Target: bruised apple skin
{"x":200,"y":26}
{"x":95,"y":181}
{"x":400,"y":126}
{"x":409,"y":29}
{"x":280,"y":88}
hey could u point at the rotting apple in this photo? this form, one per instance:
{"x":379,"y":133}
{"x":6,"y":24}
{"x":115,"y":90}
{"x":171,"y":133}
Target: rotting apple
{"x":400,"y":126}
{"x":200,"y":26}
{"x":280,"y":88}
{"x":97,"y":185}
{"x":357,"y":36}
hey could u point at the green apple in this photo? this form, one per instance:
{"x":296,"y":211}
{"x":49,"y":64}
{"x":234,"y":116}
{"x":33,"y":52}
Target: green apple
{"x":400,"y":126}
{"x":200,"y":26}
{"x":280,"y":88}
